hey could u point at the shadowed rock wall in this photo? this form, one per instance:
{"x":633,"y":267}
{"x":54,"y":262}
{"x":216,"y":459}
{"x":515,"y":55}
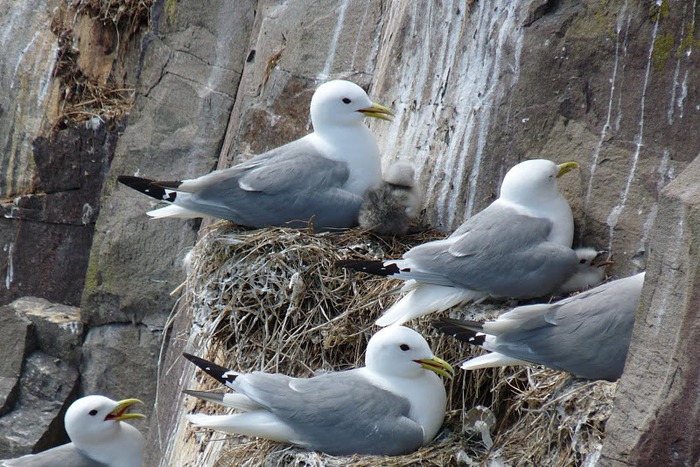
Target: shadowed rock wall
{"x":49,"y":230}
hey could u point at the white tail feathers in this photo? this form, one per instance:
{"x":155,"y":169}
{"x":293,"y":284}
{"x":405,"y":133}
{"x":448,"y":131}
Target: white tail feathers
{"x":491,"y":360}
{"x":258,"y":423}
{"x":422,"y":299}
{"x":173,"y":211}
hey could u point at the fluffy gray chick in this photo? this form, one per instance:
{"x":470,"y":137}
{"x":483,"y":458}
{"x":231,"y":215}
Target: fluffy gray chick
{"x":389,"y":208}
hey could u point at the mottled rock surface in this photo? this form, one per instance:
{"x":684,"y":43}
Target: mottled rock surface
{"x":57,"y":328}
{"x":193,"y":60}
{"x":49,"y":231}
{"x":655,"y":421}
{"x":41,"y":344}
{"x":47,"y":387}
{"x":15,"y":343}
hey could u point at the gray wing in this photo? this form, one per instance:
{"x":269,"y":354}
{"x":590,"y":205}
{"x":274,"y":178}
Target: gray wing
{"x":498,"y":251}
{"x":291,"y":183}
{"x":65,"y":455}
{"x":587,"y":334}
{"x":338,"y":413}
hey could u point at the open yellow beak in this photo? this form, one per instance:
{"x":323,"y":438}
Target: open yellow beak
{"x":378,"y":111}
{"x":567,"y":167}
{"x":119,"y":412}
{"x":437,"y":365}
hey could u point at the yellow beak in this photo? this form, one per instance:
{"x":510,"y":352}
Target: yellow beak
{"x":378,"y":111}
{"x":119,"y":412}
{"x":437,"y":365}
{"x":567,"y":167}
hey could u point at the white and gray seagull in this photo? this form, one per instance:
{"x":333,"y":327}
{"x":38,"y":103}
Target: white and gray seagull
{"x":318,"y":179}
{"x":518,"y":247}
{"x":392,"y":406}
{"x":587,"y":334}
{"x":99,"y":437}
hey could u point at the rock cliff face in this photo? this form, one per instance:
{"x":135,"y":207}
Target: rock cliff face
{"x":39,"y":376}
{"x":477,"y":86}
{"x":67,"y":71}
{"x":655,"y":421}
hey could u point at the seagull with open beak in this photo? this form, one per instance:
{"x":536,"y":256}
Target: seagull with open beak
{"x":99,"y":437}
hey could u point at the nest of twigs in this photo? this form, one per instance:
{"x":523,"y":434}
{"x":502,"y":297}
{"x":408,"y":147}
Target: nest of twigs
{"x":83,"y":97}
{"x":555,"y":420}
{"x":274,"y":300}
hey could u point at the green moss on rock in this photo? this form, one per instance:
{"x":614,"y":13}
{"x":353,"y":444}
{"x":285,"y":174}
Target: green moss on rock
{"x":659,"y":11}
{"x":663,"y":45}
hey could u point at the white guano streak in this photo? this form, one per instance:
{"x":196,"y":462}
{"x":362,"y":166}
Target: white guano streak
{"x":665,"y":171}
{"x":486,"y":120}
{"x":672,"y":284}
{"x":334,"y":43}
{"x":9,"y":275}
{"x":623,"y":17}
{"x":482,"y":87}
{"x":614,"y":215}
{"x":446,"y":93}
{"x":620,"y":43}
{"x":360,"y":34}
{"x":677,"y":98}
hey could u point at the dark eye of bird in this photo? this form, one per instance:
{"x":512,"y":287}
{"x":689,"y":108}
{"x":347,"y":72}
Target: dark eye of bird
{"x":93,"y":412}
{"x":583,"y":261}
{"x":404,"y":347}
{"x":346,"y":100}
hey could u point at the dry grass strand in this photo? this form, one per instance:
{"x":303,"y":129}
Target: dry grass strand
{"x":273,"y":300}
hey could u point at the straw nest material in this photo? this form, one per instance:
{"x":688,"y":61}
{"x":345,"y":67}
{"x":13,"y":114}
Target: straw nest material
{"x":83,"y":96}
{"x":274,"y":300}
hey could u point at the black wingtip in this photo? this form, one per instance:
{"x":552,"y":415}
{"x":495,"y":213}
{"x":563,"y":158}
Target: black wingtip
{"x":463,"y":330}
{"x":150,"y":187}
{"x":219,"y":373}
{"x":137,"y":183}
{"x":378,"y":268}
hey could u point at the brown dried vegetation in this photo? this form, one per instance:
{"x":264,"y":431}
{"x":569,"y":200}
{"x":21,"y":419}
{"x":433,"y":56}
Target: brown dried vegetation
{"x":274,"y":300}
{"x":93,"y":39}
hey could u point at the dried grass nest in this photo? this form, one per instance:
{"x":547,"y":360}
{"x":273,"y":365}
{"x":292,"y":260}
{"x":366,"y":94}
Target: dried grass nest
{"x":274,"y":300}
{"x":83,"y":97}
